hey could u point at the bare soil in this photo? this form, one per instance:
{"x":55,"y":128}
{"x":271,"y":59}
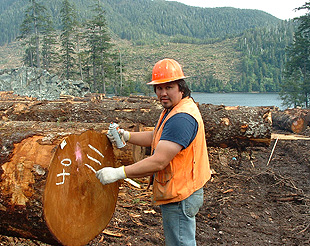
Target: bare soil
{"x":247,"y":202}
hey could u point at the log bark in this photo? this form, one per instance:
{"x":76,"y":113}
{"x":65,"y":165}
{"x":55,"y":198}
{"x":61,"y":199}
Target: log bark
{"x":26,"y":150}
{"x":236,"y":126}
{"x":293,"y":120}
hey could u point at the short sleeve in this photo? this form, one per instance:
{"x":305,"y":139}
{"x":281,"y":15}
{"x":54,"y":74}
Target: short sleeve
{"x":181,"y":129}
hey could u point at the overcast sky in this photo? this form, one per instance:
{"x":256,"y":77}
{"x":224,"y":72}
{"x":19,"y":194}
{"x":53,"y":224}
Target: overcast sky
{"x":282,"y":9}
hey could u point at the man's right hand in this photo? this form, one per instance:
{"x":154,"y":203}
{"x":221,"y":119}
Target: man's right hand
{"x":125,"y":135}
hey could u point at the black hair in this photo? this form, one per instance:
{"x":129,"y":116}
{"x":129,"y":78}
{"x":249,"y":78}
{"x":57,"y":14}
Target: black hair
{"x":183,"y":87}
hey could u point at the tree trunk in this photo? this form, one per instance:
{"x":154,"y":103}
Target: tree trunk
{"x":293,"y":120}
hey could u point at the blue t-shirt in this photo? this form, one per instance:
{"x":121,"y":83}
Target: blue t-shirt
{"x":181,"y":128}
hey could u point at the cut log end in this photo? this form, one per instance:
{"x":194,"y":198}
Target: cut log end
{"x":77,"y":207}
{"x":299,"y":125}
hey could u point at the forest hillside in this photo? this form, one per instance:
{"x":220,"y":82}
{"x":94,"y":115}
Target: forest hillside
{"x":221,"y":49}
{"x":146,"y":19}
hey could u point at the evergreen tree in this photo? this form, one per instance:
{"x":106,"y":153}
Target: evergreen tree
{"x":296,"y":89}
{"x":98,"y":46}
{"x":118,"y":85}
{"x":49,"y":41}
{"x":264,"y":55}
{"x":31,"y":29}
{"x":67,"y":37}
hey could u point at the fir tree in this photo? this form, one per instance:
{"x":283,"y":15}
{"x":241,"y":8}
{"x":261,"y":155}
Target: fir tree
{"x":296,"y":89}
{"x":98,"y":47}
{"x":49,"y":41}
{"x":31,"y":28}
{"x":68,"y":42}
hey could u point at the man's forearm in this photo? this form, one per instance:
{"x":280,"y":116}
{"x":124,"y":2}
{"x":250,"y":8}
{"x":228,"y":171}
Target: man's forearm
{"x":141,"y":138}
{"x":164,"y":153}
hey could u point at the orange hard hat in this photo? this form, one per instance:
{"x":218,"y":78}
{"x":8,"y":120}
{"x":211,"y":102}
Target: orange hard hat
{"x":166,"y":70}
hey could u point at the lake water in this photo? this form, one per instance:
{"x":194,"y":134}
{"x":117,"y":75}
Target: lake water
{"x":241,"y":99}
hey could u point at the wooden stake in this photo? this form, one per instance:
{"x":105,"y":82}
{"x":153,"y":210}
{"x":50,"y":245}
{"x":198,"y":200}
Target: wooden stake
{"x":274,"y":146}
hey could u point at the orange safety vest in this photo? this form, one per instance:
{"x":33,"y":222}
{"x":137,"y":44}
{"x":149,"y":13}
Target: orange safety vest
{"x":189,"y":170}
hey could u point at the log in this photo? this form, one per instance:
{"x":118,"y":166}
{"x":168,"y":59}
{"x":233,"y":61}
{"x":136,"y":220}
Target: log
{"x":236,"y":126}
{"x":225,"y":126}
{"x":301,"y":112}
{"x":12,"y":132}
{"x":77,"y":207}
{"x":26,"y":150}
{"x":293,"y":120}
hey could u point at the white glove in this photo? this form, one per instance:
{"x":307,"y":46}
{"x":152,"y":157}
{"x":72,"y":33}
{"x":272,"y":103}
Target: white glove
{"x":124,"y":135}
{"x":109,"y":175}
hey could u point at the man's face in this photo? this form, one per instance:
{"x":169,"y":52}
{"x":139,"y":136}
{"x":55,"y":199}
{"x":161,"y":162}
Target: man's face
{"x":168,"y":94}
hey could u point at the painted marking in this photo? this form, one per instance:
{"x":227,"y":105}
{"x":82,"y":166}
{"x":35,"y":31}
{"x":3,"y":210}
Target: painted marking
{"x":63,"y":144}
{"x":93,"y":159}
{"x":78,"y":152}
{"x":63,"y":174}
{"x":63,"y":162}
{"x":78,"y":157}
{"x":90,"y":167}
{"x":97,"y":151}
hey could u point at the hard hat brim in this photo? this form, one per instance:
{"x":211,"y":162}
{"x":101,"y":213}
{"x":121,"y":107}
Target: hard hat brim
{"x":162,"y":81}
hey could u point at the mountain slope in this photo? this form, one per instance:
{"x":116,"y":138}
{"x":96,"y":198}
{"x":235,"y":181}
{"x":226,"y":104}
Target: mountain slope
{"x":147,"y":19}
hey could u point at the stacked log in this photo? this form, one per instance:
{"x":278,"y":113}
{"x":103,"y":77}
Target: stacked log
{"x":293,"y":120}
{"x":225,"y":126}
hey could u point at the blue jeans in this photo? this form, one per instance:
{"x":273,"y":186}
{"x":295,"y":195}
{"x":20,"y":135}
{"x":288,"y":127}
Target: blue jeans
{"x":179,"y":220}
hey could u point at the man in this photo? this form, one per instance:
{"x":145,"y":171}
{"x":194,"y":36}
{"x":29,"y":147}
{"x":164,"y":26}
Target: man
{"x":179,"y":164}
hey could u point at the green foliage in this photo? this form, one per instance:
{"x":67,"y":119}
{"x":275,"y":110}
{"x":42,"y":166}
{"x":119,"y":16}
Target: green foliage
{"x":98,"y":46}
{"x":208,"y":84}
{"x":82,"y":49}
{"x":49,"y":42}
{"x":296,"y":89}
{"x":147,"y":20}
{"x":264,"y":54}
{"x":34,"y":24}
{"x":69,"y":25}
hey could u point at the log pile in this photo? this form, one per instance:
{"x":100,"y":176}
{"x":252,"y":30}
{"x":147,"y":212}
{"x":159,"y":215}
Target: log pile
{"x":225,"y":126}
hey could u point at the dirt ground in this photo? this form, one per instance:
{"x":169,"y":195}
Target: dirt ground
{"x":247,"y":202}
